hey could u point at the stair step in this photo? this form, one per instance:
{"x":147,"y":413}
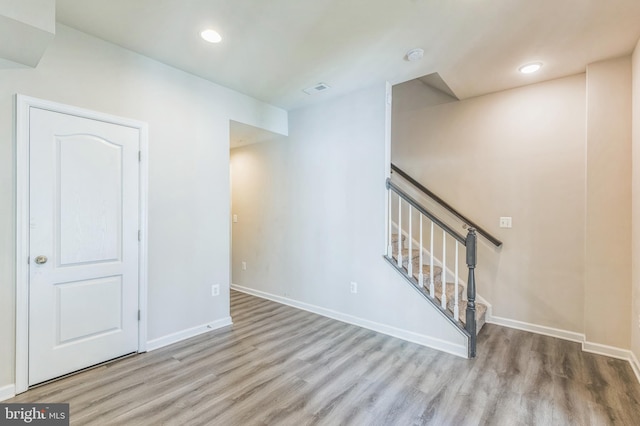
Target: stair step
{"x":481,"y":309}
{"x":405,"y":255}
{"x":481,"y":314}
{"x":426,"y":269}
{"x":394,"y":239}
{"x":451,"y":288}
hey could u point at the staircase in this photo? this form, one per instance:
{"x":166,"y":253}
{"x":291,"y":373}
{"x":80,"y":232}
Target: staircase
{"x":430,"y":254}
{"x":481,"y":308}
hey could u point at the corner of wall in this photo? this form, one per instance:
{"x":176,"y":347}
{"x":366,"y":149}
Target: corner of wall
{"x":608,"y":200}
{"x":635,"y":208}
{"x":635,"y":365}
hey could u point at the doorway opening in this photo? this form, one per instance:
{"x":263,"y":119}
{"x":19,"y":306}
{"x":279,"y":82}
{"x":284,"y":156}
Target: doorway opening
{"x":258,"y":183}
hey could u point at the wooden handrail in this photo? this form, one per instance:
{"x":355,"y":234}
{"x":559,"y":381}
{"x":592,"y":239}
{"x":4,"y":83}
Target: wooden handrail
{"x":416,"y":205}
{"x":446,"y":205}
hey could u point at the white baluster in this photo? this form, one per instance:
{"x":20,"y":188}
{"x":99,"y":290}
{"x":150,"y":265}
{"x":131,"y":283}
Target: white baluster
{"x":420,"y":274}
{"x":389,"y":241}
{"x":444,"y":268}
{"x":399,"y":231}
{"x":432,"y":288}
{"x":456,"y":308}
{"x":410,"y":259}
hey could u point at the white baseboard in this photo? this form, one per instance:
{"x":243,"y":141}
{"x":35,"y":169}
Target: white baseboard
{"x":420,"y":339}
{"x":613,"y":352}
{"x":594,"y":348}
{"x":538,"y":329}
{"x":186,"y":334}
{"x":635,"y":365}
{"x":7,"y":392}
{"x":610,"y":351}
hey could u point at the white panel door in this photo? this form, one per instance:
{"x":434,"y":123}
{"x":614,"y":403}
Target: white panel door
{"x":83,"y":242}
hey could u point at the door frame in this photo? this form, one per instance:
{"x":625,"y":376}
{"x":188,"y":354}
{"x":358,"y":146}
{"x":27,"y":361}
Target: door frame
{"x":23,"y":105}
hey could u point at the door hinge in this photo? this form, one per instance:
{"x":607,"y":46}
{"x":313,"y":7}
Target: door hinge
{"x":139,"y":235}
{"x":28,"y":260}
{"x":138,"y":314}
{"x":139,"y":156}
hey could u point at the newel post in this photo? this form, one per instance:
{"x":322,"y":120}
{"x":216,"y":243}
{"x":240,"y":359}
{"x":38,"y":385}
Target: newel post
{"x":471,"y":291}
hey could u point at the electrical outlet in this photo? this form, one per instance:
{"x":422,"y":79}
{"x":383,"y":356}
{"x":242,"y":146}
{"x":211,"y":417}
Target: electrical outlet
{"x":235,"y":218}
{"x":505,"y":222}
{"x":244,"y":265}
{"x":215,"y":290}
{"x":354,"y":287}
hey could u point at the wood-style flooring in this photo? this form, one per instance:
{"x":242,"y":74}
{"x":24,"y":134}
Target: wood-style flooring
{"x":282,"y":366}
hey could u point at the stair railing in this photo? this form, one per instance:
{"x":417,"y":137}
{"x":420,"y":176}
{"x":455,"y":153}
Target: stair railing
{"x":468,"y":222}
{"x":418,"y":279}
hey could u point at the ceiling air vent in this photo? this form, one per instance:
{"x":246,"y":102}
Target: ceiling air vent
{"x":320,"y":87}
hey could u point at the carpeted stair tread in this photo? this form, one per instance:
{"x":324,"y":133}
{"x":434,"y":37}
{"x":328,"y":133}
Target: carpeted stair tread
{"x":437,"y":272}
{"x":394,"y":240}
{"x":405,"y":255}
{"x":450,"y":288}
{"x":481,"y":309}
{"x":481,"y":314}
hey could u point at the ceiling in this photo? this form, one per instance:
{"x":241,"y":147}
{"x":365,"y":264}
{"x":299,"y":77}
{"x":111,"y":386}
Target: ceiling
{"x":273,"y":49}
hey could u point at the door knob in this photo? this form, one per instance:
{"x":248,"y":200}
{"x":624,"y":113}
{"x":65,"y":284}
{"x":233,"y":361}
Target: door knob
{"x":41,"y":260}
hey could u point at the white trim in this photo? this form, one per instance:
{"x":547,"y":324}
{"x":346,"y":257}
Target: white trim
{"x":143,"y":265}
{"x":7,"y":392}
{"x":610,"y":351}
{"x":613,"y":352}
{"x":538,"y":329}
{"x":635,"y":365}
{"x":22,"y":244}
{"x":387,"y":157}
{"x":420,"y":339}
{"x":23,"y":105}
{"x":590,"y":347}
{"x":179,"y":336}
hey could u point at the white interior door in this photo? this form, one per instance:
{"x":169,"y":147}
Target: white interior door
{"x":83,"y":242}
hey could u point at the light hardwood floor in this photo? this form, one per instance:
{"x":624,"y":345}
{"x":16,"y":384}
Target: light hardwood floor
{"x":281,"y":366}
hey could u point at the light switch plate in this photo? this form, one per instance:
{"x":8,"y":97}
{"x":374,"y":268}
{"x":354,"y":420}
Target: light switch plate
{"x":505,"y":222}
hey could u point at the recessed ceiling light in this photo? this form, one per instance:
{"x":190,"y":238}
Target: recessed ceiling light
{"x":211,"y":36}
{"x":530,"y":68}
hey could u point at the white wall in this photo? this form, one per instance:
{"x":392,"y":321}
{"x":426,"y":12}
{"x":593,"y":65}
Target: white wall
{"x":607,"y":289}
{"x":556,"y":156}
{"x":311,"y":217}
{"x":26,"y":30}
{"x":635,"y":185}
{"x":518,"y":153}
{"x":188,"y":171}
